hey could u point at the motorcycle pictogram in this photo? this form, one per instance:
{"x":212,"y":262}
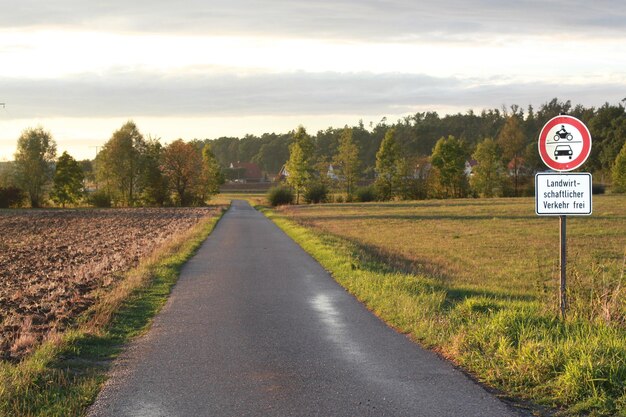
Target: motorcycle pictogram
{"x":563,"y":134}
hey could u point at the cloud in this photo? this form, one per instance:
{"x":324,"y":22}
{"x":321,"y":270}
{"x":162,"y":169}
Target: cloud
{"x":344,"y":19}
{"x":135,"y":94}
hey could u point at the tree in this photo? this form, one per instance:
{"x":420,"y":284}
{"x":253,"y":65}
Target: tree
{"x":532,"y":159}
{"x":407,"y":186}
{"x":152,"y":183}
{"x":553,"y":108}
{"x":68,"y":181}
{"x":618,"y":172}
{"x":347,"y":159}
{"x":273,"y":153}
{"x":327,"y":142}
{"x":34,"y":158}
{"x":300,"y":164}
{"x":86,"y":165}
{"x":212,"y":176}
{"x":302,"y":138}
{"x":119,"y":164}
{"x":182,"y":166}
{"x":513,"y":143}
{"x":10,"y":197}
{"x":449,"y":157}
{"x":297,"y":169}
{"x":7,"y":174}
{"x":489,"y":174}
{"x":608,"y":129}
{"x":613,"y":142}
{"x":387,"y":165}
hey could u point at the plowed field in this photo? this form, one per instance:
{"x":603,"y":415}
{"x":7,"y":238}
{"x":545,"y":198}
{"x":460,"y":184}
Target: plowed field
{"x":52,"y":261}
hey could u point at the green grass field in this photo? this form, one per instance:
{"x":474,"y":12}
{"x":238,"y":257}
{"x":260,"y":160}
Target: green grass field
{"x":496,"y":247}
{"x":477,"y":280}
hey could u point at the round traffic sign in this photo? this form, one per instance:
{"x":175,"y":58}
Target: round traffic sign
{"x":564,"y":143}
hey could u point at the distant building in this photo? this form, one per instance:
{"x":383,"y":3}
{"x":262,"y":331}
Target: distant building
{"x":422,"y":169}
{"x":469,"y":167}
{"x":282,"y":174}
{"x":332,"y":172}
{"x":246,"y":172}
{"x":517,"y":167}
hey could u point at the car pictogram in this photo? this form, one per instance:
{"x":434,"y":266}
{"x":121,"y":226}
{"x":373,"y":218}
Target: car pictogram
{"x":563,"y":150}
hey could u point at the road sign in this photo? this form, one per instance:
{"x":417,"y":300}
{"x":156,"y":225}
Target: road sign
{"x":564,"y":143}
{"x":563,"y":194}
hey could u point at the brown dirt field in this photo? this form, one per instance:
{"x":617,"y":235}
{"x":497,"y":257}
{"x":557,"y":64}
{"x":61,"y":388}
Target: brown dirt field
{"x":53,"y":261}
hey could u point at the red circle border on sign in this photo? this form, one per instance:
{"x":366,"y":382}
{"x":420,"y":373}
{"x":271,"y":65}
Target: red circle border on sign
{"x":584,"y":154}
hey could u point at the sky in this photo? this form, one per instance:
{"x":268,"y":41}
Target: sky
{"x":210,"y":68}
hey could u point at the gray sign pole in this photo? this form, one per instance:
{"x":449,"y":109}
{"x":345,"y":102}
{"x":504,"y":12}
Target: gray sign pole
{"x":567,"y":138}
{"x":563,"y":262}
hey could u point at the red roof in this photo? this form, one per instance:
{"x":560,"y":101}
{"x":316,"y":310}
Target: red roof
{"x":253,"y":172}
{"x":519,"y":161}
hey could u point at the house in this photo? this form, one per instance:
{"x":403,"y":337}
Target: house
{"x":246,"y":172}
{"x":469,"y":167}
{"x":517,"y":167}
{"x":332,"y":172}
{"x":422,"y":168}
{"x":282,"y":174}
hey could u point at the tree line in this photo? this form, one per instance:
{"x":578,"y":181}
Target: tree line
{"x":417,"y":135}
{"x":129,"y":170}
{"x":424,"y":156}
{"x":419,"y":156}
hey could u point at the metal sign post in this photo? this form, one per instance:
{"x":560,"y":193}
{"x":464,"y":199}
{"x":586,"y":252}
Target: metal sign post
{"x":564,"y":145}
{"x":563,"y":264}
{"x":563,"y":194}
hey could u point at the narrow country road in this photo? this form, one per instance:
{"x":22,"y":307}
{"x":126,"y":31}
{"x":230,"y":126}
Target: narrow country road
{"x":256,"y":327}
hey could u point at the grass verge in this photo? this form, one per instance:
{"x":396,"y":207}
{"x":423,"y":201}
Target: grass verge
{"x":516,"y":345}
{"x":64,"y":375}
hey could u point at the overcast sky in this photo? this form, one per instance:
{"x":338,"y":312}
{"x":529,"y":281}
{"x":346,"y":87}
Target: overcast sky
{"x":198,"y":69}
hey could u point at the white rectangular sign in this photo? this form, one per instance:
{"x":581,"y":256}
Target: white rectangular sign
{"x":562,"y":194}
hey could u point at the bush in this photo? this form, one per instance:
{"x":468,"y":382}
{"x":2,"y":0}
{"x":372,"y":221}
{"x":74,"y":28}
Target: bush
{"x":100,"y":199}
{"x":11,"y":197}
{"x":316,"y":193}
{"x":365,"y":194}
{"x":597,"y":188}
{"x":281,"y":195}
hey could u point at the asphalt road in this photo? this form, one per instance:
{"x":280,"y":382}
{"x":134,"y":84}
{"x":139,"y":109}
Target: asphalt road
{"x":256,"y":327}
